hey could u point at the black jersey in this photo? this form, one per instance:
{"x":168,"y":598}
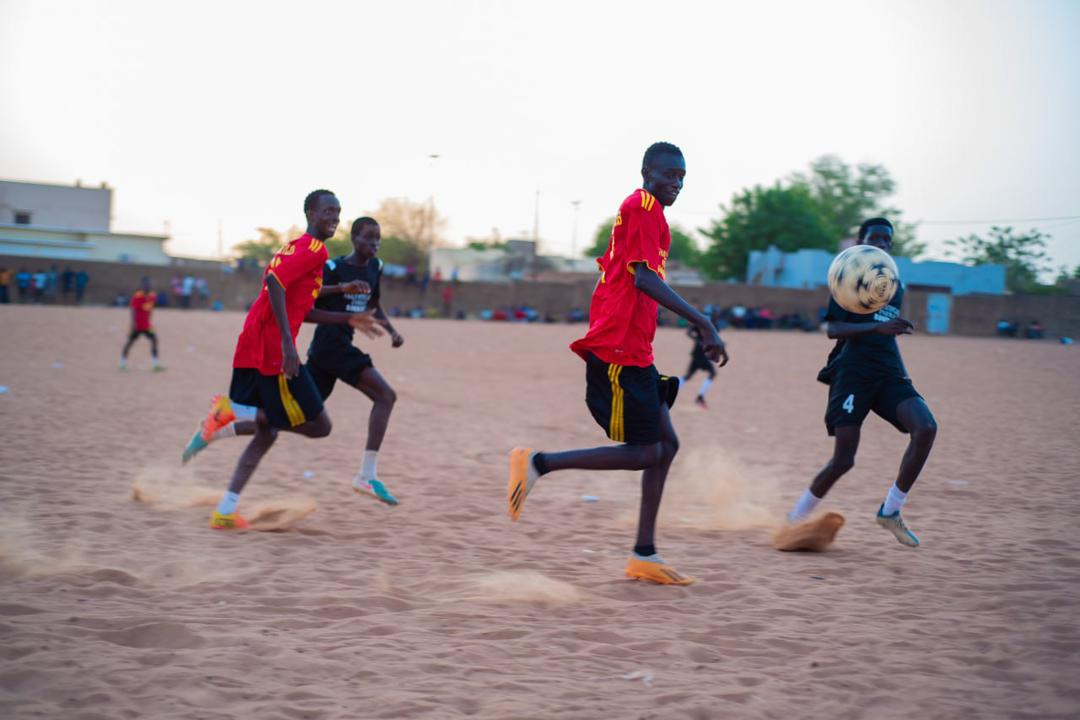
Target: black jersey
{"x":869,"y":354}
{"x":336,"y":338}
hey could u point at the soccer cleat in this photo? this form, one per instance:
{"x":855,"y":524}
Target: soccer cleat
{"x":220,"y":415}
{"x":657,"y":571}
{"x":374,"y":488}
{"x":523,"y":476}
{"x":700,"y":400}
{"x":232,"y":521}
{"x":895,"y":524}
{"x":195,"y":446}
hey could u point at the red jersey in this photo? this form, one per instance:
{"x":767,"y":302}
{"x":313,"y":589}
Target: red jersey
{"x":142,"y":304}
{"x":299,"y":268}
{"x":622,"y":320}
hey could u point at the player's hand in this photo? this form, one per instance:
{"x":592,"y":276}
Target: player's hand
{"x":713,"y":346}
{"x":290,"y":359}
{"x":896,"y":326}
{"x":366,"y":323}
{"x":395,"y":339}
{"x":355,"y":287}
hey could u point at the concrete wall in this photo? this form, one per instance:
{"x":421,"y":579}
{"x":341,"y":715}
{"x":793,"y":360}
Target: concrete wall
{"x":971,"y":314}
{"x":61,"y":245}
{"x":60,"y":207}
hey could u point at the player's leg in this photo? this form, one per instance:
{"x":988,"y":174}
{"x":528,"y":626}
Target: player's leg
{"x":127,"y":348}
{"x":652,"y":486}
{"x":154,"y":350}
{"x":700,"y":399}
{"x":902,"y":406}
{"x":370,"y":381}
{"x":225,"y":516}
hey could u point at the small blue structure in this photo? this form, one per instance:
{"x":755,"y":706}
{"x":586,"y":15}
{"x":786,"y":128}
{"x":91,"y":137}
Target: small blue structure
{"x":808,"y":269}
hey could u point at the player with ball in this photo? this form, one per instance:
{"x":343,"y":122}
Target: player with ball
{"x":865,"y":373}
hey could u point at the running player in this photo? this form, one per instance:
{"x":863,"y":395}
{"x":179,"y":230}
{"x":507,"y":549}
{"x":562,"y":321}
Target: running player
{"x":627,"y":397}
{"x":271,"y":390}
{"x":352,"y":284}
{"x":142,"y":304}
{"x":864,"y":372}
{"x":699,"y":361}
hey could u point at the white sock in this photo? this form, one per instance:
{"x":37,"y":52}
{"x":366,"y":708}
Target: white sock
{"x":227,"y":506}
{"x":705,"y":386}
{"x":367,"y":469}
{"x":155,"y":359}
{"x":804,"y":506}
{"x":894,"y":501}
{"x":244,"y":412}
{"x":226,"y":432}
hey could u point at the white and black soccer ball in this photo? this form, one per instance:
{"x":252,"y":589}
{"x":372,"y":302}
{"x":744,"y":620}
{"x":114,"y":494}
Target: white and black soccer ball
{"x":863,"y":279}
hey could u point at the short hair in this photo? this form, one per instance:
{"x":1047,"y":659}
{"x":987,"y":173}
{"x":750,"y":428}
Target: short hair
{"x":657,"y":149}
{"x":313,"y":198}
{"x":360,"y":222}
{"x":865,"y":227}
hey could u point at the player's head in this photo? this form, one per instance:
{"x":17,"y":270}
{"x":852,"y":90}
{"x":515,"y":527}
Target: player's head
{"x":323,"y":212}
{"x":366,"y":236}
{"x":877,"y":232}
{"x":145,"y":283}
{"x":663,"y":170}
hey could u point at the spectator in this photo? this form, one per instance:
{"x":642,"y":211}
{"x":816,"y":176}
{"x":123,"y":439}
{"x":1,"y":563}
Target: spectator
{"x":1006,"y":328}
{"x":1034,"y":331}
{"x":186,"y":289}
{"x":82,"y":279}
{"x":52,"y":284}
{"x":177,"y":286}
{"x":41,"y":278}
{"x":203,"y":288}
{"x":5,"y":282}
{"x":447,"y":299}
{"x":438,"y":275}
{"x":67,"y":284}
{"x":22,"y":283}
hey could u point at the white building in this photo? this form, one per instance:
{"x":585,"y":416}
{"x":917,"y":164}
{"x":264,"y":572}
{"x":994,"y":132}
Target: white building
{"x":65,"y":222}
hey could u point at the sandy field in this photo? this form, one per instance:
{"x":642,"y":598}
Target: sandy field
{"x":116,"y":604}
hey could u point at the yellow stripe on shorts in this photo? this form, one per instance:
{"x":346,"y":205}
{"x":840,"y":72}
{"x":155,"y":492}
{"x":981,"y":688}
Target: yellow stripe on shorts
{"x":292,"y":408}
{"x":615,"y":427}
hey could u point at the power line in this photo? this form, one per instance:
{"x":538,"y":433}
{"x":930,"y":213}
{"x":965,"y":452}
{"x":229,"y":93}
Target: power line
{"x":992,"y":222}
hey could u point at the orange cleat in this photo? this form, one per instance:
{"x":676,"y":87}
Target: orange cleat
{"x":232,"y":521}
{"x":220,"y":415}
{"x":522,"y":477}
{"x":657,"y":572}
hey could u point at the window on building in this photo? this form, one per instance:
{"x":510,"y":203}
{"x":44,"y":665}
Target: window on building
{"x":22,"y":217}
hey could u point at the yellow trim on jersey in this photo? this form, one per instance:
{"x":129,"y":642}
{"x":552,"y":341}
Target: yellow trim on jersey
{"x":315,"y":245}
{"x":292,"y":408}
{"x":647,"y":200}
{"x":616,"y":431}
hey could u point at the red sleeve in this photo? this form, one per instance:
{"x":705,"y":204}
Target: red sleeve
{"x":296,"y":260}
{"x":643,"y":239}
{"x":136,"y":300}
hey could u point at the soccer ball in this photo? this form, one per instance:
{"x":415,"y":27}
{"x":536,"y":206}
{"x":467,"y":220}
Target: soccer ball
{"x":863,"y":279}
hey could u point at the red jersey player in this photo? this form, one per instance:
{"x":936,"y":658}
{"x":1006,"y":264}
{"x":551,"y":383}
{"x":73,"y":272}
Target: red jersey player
{"x":142,"y":304}
{"x":271,"y":390}
{"x":626,"y":395}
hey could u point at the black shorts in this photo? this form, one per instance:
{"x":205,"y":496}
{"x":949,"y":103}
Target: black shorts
{"x":346,"y":366}
{"x":700,"y":361}
{"x":625,"y":400}
{"x":852,"y":396}
{"x":287,"y":403}
{"x":148,"y":333}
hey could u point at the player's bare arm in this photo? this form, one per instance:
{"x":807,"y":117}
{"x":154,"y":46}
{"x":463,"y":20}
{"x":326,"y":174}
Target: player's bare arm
{"x":353,"y":287}
{"x":396,"y":340}
{"x":290,"y":358}
{"x":365,"y":322}
{"x":896,"y":326}
{"x":650,"y":283}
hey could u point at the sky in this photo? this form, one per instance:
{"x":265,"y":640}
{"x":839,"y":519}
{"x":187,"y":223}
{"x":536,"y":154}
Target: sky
{"x":221,"y":116}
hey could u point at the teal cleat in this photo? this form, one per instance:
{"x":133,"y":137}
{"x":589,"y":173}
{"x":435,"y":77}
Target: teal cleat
{"x":895,"y":524}
{"x":374,"y":488}
{"x":194,"y":446}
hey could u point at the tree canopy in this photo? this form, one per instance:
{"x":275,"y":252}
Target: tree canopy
{"x":1023,"y":255}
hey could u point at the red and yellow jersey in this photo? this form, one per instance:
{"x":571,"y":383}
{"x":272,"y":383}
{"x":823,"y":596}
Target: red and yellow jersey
{"x":298,"y":268}
{"x":142,"y":304}
{"x":622,"y":320}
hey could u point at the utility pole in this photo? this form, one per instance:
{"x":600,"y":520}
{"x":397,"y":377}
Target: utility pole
{"x":536,"y":224}
{"x":573,"y":236}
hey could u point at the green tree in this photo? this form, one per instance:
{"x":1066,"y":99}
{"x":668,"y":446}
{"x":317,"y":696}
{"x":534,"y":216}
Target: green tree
{"x":788,"y":217}
{"x":1024,"y":256}
{"x":684,"y":249}
{"x":262,"y":249}
{"x":847,"y":195}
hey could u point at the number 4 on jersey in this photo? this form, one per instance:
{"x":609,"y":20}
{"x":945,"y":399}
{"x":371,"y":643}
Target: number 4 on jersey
{"x":849,"y":404}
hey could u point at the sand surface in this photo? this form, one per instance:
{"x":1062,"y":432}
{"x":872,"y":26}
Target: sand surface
{"x":112,"y":607}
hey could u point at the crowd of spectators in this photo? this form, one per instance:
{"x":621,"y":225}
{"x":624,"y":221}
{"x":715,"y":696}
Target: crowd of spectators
{"x":43,"y":287}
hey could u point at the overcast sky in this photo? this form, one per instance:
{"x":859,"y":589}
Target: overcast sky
{"x":200,"y":113}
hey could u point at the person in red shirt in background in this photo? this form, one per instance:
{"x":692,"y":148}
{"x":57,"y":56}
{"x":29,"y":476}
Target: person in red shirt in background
{"x":271,"y":390}
{"x":142,"y":304}
{"x":624,"y":392}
